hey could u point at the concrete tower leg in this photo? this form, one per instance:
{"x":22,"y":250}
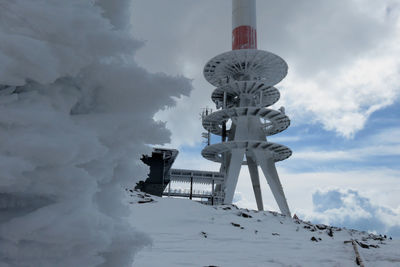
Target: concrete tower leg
{"x":233,"y":173}
{"x":255,"y":180}
{"x":267,"y":165}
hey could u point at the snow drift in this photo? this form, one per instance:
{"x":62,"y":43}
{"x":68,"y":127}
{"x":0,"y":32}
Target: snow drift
{"x":76,"y":113}
{"x":186,"y":233}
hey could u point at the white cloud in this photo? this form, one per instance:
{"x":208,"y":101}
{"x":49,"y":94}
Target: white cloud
{"x":355,"y":155}
{"x":359,"y":70}
{"x":350,"y":209}
{"x":388,"y":136}
{"x":342,"y":101}
{"x":385,"y":142}
{"x":380,"y":185}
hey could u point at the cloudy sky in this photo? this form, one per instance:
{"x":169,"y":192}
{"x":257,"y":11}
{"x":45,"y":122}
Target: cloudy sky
{"x":342,"y":95}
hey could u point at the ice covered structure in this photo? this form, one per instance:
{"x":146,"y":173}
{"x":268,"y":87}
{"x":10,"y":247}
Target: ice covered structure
{"x":75,"y":113}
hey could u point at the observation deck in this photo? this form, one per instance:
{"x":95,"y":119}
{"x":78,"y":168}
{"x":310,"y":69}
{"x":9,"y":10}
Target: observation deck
{"x":245,"y":80}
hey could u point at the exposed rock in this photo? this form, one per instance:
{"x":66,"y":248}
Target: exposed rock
{"x":235,"y":224}
{"x":378,"y":238}
{"x":244,"y":215}
{"x":329,"y":232}
{"x":361,"y":244}
{"x":311,"y":228}
{"x":145,"y":201}
{"x":314,"y":239}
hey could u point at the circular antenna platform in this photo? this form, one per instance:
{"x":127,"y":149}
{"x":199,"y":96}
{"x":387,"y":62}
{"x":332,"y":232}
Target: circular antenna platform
{"x":269,"y":94}
{"x":245,"y":65}
{"x":277,"y":121}
{"x":214,"y":152}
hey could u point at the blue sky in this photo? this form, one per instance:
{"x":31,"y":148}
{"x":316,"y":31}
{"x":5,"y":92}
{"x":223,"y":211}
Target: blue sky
{"x":341,"y":93}
{"x":313,"y":137}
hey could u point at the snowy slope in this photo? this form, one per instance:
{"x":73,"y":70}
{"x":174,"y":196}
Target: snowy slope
{"x":187,"y":233}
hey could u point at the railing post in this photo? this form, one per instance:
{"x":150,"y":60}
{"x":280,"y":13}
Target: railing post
{"x":212,"y":193}
{"x":224,"y":101}
{"x":191,"y":186}
{"x":223,"y":135}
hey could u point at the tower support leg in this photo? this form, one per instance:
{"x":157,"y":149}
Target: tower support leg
{"x":255,"y":180}
{"x":233,"y":174}
{"x":267,"y":165}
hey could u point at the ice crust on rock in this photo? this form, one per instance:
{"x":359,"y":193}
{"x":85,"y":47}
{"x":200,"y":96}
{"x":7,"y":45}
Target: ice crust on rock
{"x":72,"y":128}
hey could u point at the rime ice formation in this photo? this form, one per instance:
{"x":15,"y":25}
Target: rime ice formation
{"x":71,"y":102}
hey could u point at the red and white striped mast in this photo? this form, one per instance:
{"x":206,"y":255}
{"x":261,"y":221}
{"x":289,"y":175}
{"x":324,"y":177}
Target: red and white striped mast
{"x":245,"y":79}
{"x":244,"y":25}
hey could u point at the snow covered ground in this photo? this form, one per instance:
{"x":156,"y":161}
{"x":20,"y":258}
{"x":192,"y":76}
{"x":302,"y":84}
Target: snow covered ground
{"x":187,"y":233}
